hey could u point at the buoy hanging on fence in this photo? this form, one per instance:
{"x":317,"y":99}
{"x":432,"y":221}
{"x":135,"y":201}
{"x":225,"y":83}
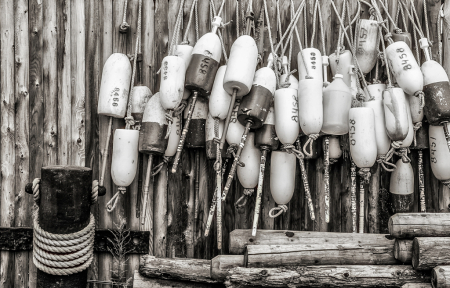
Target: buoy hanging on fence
{"x":266,"y":140}
{"x":200,"y":77}
{"x":335,"y":150}
{"x":184,"y":51}
{"x":292,"y":80}
{"x":141,"y":93}
{"x":395,"y":113}
{"x":249,"y":172}
{"x":402,"y":36}
{"x":239,"y":74}
{"x":211,"y":149}
{"x":310,"y":110}
{"x":313,"y":62}
{"x":253,"y":111}
{"x":219,"y":100}
{"x":382,"y":139}
{"x":437,"y":92}
{"x":113,"y":96}
{"x":282,"y":180}
{"x":196,"y":137}
{"x":401,"y":187}
{"x":174,"y":136}
{"x":337,"y":101}
{"x":410,"y":136}
{"x":152,"y":141}
{"x":366,"y":44}
{"x":375,"y":90}
{"x":439,"y":154}
{"x":404,"y":67}
{"x":344,"y":66}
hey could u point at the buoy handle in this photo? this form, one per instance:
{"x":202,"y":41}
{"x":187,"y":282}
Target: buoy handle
{"x":423,"y":43}
{"x":217,"y":21}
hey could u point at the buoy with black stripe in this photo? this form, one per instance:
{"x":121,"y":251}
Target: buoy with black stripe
{"x":437,"y":92}
{"x":200,"y":76}
{"x":439,"y":154}
{"x":312,"y":65}
{"x":196,"y":137}
{"x":141,"y":93}
{"x":152,"y":140}
{"x":266,"y":140}
{"x":113,"y":97}
{"x":401,"y":187}
{"x":253,"y":111}
{"x":292,"y":80}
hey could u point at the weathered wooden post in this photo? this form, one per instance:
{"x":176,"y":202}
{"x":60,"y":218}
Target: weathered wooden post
{"x":64,"y":228}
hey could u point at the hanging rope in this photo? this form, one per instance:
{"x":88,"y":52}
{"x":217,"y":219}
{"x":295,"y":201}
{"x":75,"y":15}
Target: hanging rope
{"x":243,"y":199}
{"x":191,"y":13}
{"x":280,"y":210}
{"x":129,"y":120}
{"x":111,"y":205}
{"x":63,"y":254}
{"x":212,"y":11}
{"x":439,"y":28}
{"x":124,"y":27}
{"x":341,"y":19}
{"x":385,"y":163}
{"x":396,"y":29}
{"x":300,"y":44}
{"x":322,"y":30}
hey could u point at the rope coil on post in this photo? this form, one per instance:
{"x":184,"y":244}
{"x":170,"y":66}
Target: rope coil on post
{"x":63,"y":254}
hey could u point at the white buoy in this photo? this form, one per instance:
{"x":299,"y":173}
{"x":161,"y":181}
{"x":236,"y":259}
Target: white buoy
{"x":404,"y":67}
{"x":124,"y":156}
{"x":211,"y":148}
{"x":313,"y":61}
{"x":292,"y":79}
{"x":174,"y":137}
{"x":375,"y":90}
{"x":282,"y":176}
{"x":235,"y":128}
{"x":382,"y":139}
{"x":219,"y":100}
{"x":337,"y":101}
{"x":310,"y":105}
{"x":141,"y":95}
{"x":286,"y":115}
{"x":395,"y":113}
{"x":343,"y":67}
{"x":363,"y":145}
{"x":184,"y":51}
{"x":366,"y":44}
{"x":334,"y":147}
{"x":172,"y":82}
{"x":439,"y":154}
{"x":410,"y":136}
{"x":114,"y":86}
{"x":251,"y":157}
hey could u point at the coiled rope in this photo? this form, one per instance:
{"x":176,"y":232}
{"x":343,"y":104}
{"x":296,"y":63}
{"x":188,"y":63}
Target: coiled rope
{"x":63,"y":254}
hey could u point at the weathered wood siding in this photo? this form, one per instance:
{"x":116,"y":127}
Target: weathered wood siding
{"x":52,"y":53}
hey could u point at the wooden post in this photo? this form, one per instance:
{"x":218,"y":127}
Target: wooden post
{"x":410,"y":225}
{"x":403,"y":250}
{"x":429,"y":252}
{"x":65,"y":201}
{"x":440,"y":277}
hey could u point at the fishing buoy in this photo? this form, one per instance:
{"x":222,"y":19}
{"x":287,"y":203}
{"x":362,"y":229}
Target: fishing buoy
{"x":335,"y":150}
{"x":124,"y":157}
{"x":415,"y":106}
{"x":235,"y":129}
{"x":375,"y":90}
{"x":410,"y":136}
{"x":421,"y":140}
{"x":381,"y":137}
{"x":286,"y":115}
{"x":363,"y":145}
{"x":313,"y":64}
{"x":248,"y":174}
{"x":211,"y":149}
{"x":402,"y":36}
{"x":343,"y":67}
{"x":239,"y":73}
{"x":174,"y":136}
{"x":185,"y":52}
{"x":325,"y":64}
{"x":396,"y":113}
{"x":310,"y":105}
{"x":401,"y":188}
{"x":115,"y":85}
{"x":337,"y":101}
{"x":404,"y":67}
{"x":282,"y":176}
{"x":439,"y":154}
{"x":171,"y":89}
{"x":141,"y":93}
{"x":195,"y":137}
{"x":354,"y":83}
{"x":366,"y":44}
{"x":219,"y":100}
{"x":283,"y":77}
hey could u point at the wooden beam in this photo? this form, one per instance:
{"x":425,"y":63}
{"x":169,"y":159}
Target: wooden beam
{"x":140,"y":281}
{"x":429,"y":252}
{"x":410,"y":225}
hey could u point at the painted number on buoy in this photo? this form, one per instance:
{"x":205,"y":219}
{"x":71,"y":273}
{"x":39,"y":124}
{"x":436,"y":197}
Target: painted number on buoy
{"x":204,"y":66}
{"x":313,"y":61}
{"x":165,"y":70}
{"x":404,"y":59}
{"x":432,"y":151}
{"x":352,"y":132}
{"x":115,"y":95}
{"x":362,"y":40}
{"x":235,"y":111}
{"x":178,"y":130}
{"x":294,"y":117}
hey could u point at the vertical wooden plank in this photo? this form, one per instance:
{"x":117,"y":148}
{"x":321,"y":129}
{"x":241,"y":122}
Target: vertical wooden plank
{"x":446,"y":38}
{"x":7,"y":108}
{"x":373,"y":215}
{"x":64,"y":82}
{"x":50,"y":83}
{"x":23,"y":202}
{"x":160,"y":213}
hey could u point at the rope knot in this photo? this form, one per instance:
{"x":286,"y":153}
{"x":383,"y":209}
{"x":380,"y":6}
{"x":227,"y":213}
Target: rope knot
{"x":421,"y":96}
{"x":124,"y":27}
{"x":360,"y":96}
{"x":129,"y":122}
{"x":281,"y":209}
{"x":403,"y":153}
{"x":157,"y":168}
{"x":398,"y":30}
{"x":177,"y":111}
{"x":289,"y":148}
{"x":387,"y":36}
{"x":372,"y":11}
{"x":310,"y":141}
{"x":243,"y":199}
{"x":385,"y":163}
{"x":169,"y":119}
{"x":365,"y":174}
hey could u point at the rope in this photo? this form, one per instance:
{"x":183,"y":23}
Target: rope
{"x":191,"y":13}
{"x":123,"y":28}
{"x":446,"y":183}
{"x":322,"y":32}
{"x":129,"y":119}
{"x":353,"y":194}
{"x":212,"y":11}
{"x":365,"y":174}
{"x":398,"y":30}
{"x":415,"y":128}
{"x":341,"y":19}
{"x":281,"y":209}
{"x":158,"y":168}
{"x":385,"y":163}
{"x":311,"y":139}
{"x":111,"y":205}
{"x":238,"y":32}
{"x":403,"y":153}
{"x":439,"y":33}
{"x":35,"y":187}
{"x":176,"y":29}
{"x":279,"y":25}
{"x":243,"y":199}
{"x":314,"y":22}
{"x":37,"y":196}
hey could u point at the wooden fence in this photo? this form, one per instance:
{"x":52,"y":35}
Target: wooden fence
{"x":52,"y":53}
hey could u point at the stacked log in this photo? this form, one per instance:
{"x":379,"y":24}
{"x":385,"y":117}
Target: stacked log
{"x":403,"y":249}
{"x":440,"y":277}
{"x":410,"y":225}
{"x":429,"y":252}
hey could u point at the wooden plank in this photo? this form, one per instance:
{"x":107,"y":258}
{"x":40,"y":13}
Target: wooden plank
{"x":411,"y":225}
{"x":7,"y":109}
{"x":160,"y":214}
{"x":140,"y":281}
{"x":23,"y":203}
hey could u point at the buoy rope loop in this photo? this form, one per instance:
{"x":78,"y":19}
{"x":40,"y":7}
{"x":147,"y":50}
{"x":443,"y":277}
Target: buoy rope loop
{"x":111,"y":205}
{"x":63,"y":254}
{"x":310,"y":141}
{"x":446,"y":183}
{"x":169,"y":119}
{"x":416,"y":127}
{"x":365,"y":174}
{"x":281,"y":209}
{"x":289,"y":148}
{"x":403,"y":153}
{"x":177,"y":111}
{"x":243,"y":199}
{"x":123,"y":28}
{"x":158,"y":168}
{"x":385,"y":163}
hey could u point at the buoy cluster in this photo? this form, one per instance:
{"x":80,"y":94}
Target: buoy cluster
{"x":238,"y":111}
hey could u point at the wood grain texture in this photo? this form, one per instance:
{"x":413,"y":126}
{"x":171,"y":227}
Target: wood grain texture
{"x":429,"y":252}
{"x":140,"y":281}
{"x":440,"y":277}
{"x":410,"y":225}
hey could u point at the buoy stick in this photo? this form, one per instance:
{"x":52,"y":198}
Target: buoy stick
{"x":146,"y":187}
{"x":212,"y":209}
{"x":361,"y":206}
{"x":306,"y":186}
{"x":262,"y":167}
{"x":327,"y":179}
{"x":105,"y":154}
{"x":176,"y":160}
{"x":423,"y":207}
{"x":353,"y":194}
{"x":236,"y":159}
{"x":446,"y":134}
{"x":219,"y":202}
{"x":228,"y":119}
